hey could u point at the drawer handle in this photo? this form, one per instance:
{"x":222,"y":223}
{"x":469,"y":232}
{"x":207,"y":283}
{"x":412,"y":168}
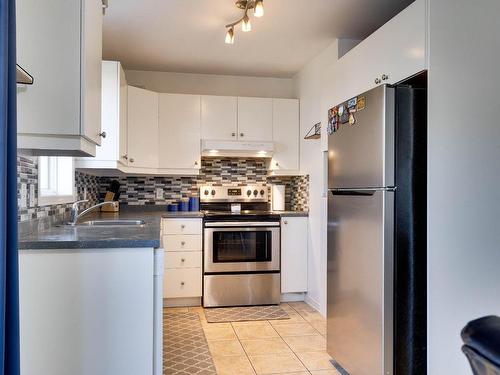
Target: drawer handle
{"x":183,"y":226}
{"x":182,"y":283}
{"x":183,"y":243}
{"x":285,"y":222}
{"x":183,"y":260}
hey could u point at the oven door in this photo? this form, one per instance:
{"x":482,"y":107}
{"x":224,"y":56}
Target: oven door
{"x":242,"y":247}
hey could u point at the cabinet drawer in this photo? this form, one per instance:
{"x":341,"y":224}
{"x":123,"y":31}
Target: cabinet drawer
{"x":180,"y":283}
{"x":181,"y":226}
{"x":183,"y":259}
{"x":181,"y":242}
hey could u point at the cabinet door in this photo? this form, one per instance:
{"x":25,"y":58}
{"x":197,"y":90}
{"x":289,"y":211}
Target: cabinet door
{"x":142,"y":128}
{"x":285,"y":135}
{"x":255,"y":119}
{"x":91,"y":69}
{"x":48,"y":46}
{"x":179,"y":117}
{"x":123,"y":121}
{"x":293,"y":254}
{"x":219,"y":116}
{"x":110,"y":112}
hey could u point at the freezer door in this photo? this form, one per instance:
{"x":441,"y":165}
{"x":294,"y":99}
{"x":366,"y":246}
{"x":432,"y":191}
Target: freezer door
{"x":360,"y":281}
{"x":362,"y":155}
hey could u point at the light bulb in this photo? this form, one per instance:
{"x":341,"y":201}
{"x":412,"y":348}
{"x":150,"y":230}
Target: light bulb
{"x":259,"y":8}
{"x":230,"y":36}
{"x":246,"y":25}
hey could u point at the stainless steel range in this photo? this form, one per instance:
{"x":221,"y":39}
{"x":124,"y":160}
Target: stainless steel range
{"x":241,"y":261}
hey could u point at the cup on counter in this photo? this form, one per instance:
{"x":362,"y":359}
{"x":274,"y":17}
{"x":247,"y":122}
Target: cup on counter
{"x":173,"y":207}
{"x":184,"y":205}
{"x":194,"y":204}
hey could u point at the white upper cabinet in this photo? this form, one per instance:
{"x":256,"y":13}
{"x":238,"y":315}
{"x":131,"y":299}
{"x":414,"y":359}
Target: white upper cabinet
{"x":180,"y":132}
{"x":59,"y":43}
{"x":285,"y":136}
{"x":255,"y":119}
{"x":219,"y":118}
{"x":142,"y":129}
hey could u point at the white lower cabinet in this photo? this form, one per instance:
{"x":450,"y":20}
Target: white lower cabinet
{"x":182,"y":241}
{"x":294,"y":254}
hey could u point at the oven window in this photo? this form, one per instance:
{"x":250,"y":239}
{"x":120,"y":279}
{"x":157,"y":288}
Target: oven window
{"x":241,"y":246}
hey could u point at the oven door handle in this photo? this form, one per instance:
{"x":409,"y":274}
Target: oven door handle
{"x":222,"y":224}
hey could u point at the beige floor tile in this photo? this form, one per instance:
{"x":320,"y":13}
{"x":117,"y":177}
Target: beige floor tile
{"x":325,"y":372}
{"x":175,"y":309}
{"x":294,"y":318}
{"x":276,"y":363}
{"x":219,"y":331}
{"x":254,"y":330}
{"x":316,"y":360}
{"x":312,"y":343}
{"x":301,"y":306}
{"x":320,"y":327}
{"x":223,"y":348}
{"x":265,"y":346}
{"x":295,"y":329}
{"x":312,"y":316}
{"x":232,"y":365}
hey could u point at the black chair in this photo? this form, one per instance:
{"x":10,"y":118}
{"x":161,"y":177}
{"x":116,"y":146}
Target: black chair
{"x":482,"y":345}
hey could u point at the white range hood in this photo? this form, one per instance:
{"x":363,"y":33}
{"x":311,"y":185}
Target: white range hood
{"x":237,"y":148}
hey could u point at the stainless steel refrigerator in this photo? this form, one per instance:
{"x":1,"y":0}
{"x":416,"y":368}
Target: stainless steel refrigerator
{"x":376,"y":285}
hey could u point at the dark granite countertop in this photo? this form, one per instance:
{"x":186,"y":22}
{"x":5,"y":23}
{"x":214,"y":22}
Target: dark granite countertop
{"x":87,"y":237}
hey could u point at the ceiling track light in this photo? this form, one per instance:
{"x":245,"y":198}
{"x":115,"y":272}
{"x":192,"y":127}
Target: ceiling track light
{"x":256,"y":5}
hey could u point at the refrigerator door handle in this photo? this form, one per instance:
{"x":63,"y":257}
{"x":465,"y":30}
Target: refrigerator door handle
{"x":360,"y":191}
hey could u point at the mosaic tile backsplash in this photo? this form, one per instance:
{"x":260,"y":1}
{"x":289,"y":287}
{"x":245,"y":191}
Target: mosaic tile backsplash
{"x":27,"y":191}
{"x":141,"y":190}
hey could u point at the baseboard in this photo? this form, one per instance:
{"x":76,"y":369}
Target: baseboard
{"x":181,"y":302}
{"x":313,"y":303}
{"x":292,"y":297}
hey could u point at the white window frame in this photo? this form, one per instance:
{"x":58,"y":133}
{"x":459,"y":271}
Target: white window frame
{"x":52,"y":197}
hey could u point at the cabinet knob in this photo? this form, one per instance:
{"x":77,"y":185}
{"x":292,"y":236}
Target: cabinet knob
{"x":196,"y":163}
{"x":385,"y":77}
{"x":233,"y":134}
{"x":183,"y":243}
{"x":277,"y":164}
{"x":242,"y":134}
{"x":183,"y":226}
{"x":285,"y":222}
{"x":377,"y":81}
{"x":183,"y":260}
{"x":102,"y":134}
{"x":182,"y":283}
{"x":131,"y":160}
{"x":125,"y":157}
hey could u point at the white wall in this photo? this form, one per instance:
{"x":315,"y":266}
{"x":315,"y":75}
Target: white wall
{"x":308,"y":86}
{"x":464,"y":175}
{"x":211,"y":84}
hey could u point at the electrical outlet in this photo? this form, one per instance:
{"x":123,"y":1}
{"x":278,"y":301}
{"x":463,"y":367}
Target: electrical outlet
{"x":159,"y":193}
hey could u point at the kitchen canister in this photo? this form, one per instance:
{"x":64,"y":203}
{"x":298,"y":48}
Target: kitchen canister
{"x":184,"y":205}
{"x":173,"y":207}
{"x":278,"y":197}
{"x":194,"y":204}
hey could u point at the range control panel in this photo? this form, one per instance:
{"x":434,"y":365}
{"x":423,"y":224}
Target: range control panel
{"x":248,"y":193}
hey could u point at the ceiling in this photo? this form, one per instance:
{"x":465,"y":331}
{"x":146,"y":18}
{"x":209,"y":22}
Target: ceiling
{"x":188,"y":35}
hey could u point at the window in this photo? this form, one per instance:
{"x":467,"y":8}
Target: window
{"x":56,"y":180}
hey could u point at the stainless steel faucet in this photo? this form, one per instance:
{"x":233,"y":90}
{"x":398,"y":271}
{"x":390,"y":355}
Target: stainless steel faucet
{"x":74,"y":210}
